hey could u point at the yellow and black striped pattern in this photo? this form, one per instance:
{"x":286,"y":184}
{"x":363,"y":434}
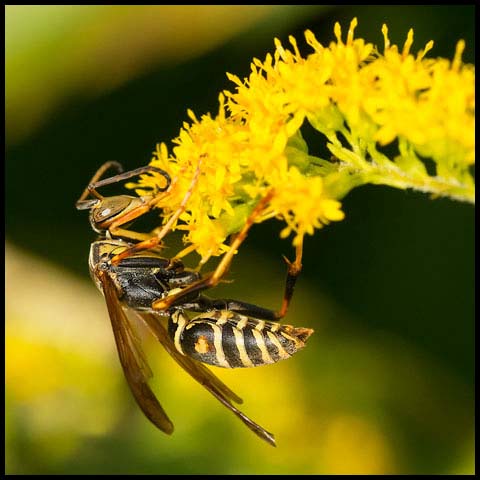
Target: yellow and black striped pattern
{"x":227,"y":339}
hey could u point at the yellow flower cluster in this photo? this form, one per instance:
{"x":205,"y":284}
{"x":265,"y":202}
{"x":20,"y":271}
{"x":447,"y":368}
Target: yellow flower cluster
{"x":431,"y":107}
{"x":357,"y":98}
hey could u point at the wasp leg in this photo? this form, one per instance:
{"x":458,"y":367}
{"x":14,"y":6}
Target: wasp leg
{"x":293,"y":271}
{"x":184,"y":252}
{"x":154,"y":241}
{"x":214,"y":278}
{"x":116,"y":230}
{"x":203,"y":304}
{"x":129,"y":235}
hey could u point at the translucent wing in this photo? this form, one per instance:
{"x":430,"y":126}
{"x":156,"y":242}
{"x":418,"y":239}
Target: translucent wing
{"x":203,"y":376}
{"x":132,"y":358}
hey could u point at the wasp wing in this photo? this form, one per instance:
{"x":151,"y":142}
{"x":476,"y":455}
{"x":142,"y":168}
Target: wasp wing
{"x":203,"y":376}
{"x":132,"y":358}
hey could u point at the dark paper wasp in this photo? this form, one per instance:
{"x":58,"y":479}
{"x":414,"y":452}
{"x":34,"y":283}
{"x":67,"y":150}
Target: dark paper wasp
{"x":135,"y":279}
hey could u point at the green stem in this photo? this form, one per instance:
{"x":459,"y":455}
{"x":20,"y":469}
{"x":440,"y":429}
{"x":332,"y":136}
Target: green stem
{"x":395,"y":177}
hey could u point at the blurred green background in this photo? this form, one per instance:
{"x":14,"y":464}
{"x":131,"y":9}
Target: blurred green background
{"x":386,"y":383}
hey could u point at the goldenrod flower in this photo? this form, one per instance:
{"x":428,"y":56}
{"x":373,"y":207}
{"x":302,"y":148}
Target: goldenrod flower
{"x":358,"y":99}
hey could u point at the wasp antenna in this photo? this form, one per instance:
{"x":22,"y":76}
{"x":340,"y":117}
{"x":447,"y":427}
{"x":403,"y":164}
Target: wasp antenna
{"x":86,"y":204}
{"x":91,"y":185}
{"x":132,"y":173}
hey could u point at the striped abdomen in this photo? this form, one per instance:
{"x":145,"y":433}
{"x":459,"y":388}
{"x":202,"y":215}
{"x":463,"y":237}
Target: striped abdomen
{"x":228,"y":339}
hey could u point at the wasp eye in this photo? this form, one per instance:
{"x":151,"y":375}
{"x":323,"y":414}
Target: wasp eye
{"x":103,"y":266}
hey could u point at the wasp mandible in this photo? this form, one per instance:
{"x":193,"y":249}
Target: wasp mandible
{"x":226,"y":333}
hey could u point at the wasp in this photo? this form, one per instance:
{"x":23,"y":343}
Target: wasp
{"x":128,"y":268}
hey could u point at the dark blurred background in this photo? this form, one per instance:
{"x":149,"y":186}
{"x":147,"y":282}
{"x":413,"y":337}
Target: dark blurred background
{"x":386,"y":383}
